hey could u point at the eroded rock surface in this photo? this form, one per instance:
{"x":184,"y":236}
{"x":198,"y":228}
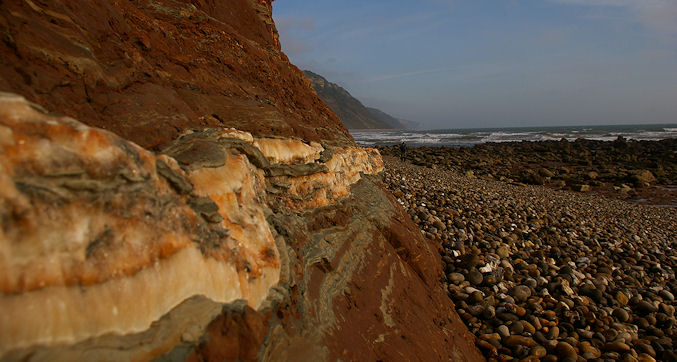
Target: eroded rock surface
{"x":147,"y":70}
{"x":208,"y":207}
{"x":95,"y":240}
{"x":360,"y":283}
{"x":102,"y":238}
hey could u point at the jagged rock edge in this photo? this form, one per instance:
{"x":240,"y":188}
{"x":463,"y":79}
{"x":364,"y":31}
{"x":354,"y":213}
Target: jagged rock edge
{"x":302,"y":173}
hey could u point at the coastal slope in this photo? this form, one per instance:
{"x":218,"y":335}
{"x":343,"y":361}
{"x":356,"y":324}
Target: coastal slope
{"x":148,"y":71}
{"x":351,"y":111}
{"x":394,"y":122}
{"x":174,"y":189}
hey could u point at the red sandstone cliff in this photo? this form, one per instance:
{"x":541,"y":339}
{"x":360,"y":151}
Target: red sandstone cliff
{"x":148,"y":69}
{"x":172,"y":187}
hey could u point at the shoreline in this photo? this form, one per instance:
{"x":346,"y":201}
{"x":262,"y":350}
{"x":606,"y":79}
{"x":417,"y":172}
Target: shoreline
{"x":546,"y":274}
{"x":363,"y":130}
{"x":462,"y":137}
{"x":642,"y":172}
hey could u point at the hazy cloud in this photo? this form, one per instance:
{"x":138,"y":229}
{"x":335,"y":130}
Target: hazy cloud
{"x":663,"y":17}
{"x":292,"y":23}
{"x":456,"y":73}
{"x":327,"y":69}
{"x":556,"y":36}
{"x":288,"y":27}
{"x":407,"y":74}
{"x":656,"y":14}
{"x":453,"y":63}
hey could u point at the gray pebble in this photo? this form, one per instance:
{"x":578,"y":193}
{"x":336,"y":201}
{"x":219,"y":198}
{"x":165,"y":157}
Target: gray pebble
{"x":475,"y":277}
{"x":521,"y":293}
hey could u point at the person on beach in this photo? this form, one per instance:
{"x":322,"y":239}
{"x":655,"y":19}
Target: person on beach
{"x":403,"y":151}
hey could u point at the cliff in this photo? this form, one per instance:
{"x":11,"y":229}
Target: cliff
{"x":172,"y":188}
{"x":350,"y":110}
{"x":147,"y":70}
{"x":394,"y":122}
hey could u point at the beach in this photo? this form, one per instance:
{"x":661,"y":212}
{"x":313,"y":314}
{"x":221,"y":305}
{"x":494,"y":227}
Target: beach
{"x":539,"y":273}
{"x":637,"y":171}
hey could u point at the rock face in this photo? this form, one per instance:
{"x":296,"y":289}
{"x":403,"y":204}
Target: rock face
{"x":351,"y":111}
{"x":101,"y":236}
{"x":222,"y":214}
{"x":146,"y":71}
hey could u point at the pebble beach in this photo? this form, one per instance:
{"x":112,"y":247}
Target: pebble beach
{"x":543,"y":274}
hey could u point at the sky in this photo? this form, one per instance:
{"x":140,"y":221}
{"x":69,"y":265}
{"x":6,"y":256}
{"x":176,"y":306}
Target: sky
{"x":493,"y":63}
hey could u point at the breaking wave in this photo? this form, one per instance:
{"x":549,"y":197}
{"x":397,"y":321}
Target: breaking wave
{"x":469,"y":137}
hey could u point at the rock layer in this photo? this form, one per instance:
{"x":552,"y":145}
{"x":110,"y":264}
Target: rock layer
{"x":102,"y":238}
{"x":95,"y":240}
{"x":361,"y":283}
{"x":210,"y":207}
{"x":147,"y":70}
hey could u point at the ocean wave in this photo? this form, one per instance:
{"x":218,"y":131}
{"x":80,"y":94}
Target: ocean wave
{"x":649,"y":136}
{"x":510,"y":134}
{"x":476,"y":136}
{"x":502,"y":136}
{"x":451,"y":135}
{"x":547,"y":137}
{"x":601,"y":138}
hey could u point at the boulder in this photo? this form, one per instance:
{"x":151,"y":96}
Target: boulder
{"x":643,"y":177}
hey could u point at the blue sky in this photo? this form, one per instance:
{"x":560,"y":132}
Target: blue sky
{"x":493,"y":63}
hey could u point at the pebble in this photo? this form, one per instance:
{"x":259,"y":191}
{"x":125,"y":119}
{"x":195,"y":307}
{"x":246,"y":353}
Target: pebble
{"x":476,"y":297}
{"x":516,"y":327}
{"x":588,"y":351}
{"x":646,"y":348}
{"x":475,"y":278}
{"x":539,"y":351}
{"x":565,"y":350}
{"x":550,"y":315}
{"x":644,"y":307}
{"x":616,"y":347}
{"x":520,"y":293}
{"x":489,"y":312}
{"x":513,"y":341}
{"x":503,"y":330}
{"x":621,"y":314}
{"x":535,"y":322}
{"x":540,"y":338}
{"x":528,"y":327}
{"x":486,"y":346}
{"x":643,"y":357}
{"x":539,"y":270}
{"x":622,"y":298}
{"x":665,"y":294}
{"x":503,"y":251}
{"x":456,"y":278}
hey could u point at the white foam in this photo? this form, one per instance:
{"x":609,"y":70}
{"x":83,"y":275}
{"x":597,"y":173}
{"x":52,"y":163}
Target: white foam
{"x":472,"y":137}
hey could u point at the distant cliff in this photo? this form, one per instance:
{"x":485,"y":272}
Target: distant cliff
{"x":395,"y":122}
{"x":350,"y":110}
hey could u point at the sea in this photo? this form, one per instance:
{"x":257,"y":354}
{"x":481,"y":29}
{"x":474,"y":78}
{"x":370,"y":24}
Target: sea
{"x":473,"y":136}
